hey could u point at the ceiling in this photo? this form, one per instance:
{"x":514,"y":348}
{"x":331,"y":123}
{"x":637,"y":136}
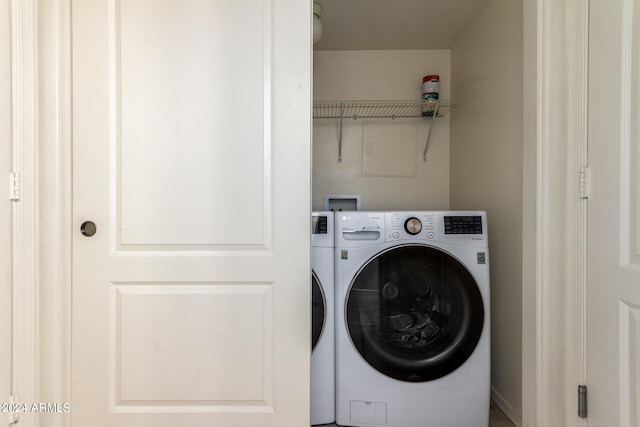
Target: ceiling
{"x":393,"y":24}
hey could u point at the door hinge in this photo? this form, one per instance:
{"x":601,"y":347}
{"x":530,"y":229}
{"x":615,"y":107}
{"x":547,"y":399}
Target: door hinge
{"x":14,"y":185}
{"x":585,"y":182}
{"x":14,"y":408}
{"x":582,"y":401}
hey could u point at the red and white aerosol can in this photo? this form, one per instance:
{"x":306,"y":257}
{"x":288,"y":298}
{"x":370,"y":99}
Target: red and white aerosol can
{"x":430,"y":90}
{"x":430,"y":86}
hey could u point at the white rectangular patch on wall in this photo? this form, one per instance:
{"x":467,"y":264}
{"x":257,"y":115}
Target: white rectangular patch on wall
{"x":389,"y":149}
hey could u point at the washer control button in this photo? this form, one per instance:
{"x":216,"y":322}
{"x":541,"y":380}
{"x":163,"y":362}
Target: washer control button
{"x":395,"y":235}
{"x":413,"y":226}
{"x":430,"y":235}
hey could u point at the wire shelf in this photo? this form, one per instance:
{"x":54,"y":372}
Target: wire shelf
{"x":429,"y":108}
{"x":382,"y":109}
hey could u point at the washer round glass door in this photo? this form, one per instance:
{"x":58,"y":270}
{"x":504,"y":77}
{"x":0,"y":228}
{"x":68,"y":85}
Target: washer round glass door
{"x":414,"y":313}
{"x":318,"y":310}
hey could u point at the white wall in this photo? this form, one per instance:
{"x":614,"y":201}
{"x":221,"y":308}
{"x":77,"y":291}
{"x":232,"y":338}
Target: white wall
{"x":487,"y":172}
{"x":379,"y":75}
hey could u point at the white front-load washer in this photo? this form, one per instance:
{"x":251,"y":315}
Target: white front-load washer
{"x":412,"y":319}
{"x":322,"y":331}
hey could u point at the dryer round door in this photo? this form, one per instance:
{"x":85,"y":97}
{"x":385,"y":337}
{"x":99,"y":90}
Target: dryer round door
{"x":318,"y":310}
{"x":414,"y":313}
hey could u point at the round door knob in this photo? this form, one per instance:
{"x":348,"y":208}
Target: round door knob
{"x":88,"y":228}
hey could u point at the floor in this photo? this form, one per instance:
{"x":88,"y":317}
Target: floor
{"x":497,"y":418}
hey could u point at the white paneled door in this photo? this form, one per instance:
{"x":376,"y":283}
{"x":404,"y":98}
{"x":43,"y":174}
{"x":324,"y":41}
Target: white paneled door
{"x":613,"y":323}
{"x":191,"y":203}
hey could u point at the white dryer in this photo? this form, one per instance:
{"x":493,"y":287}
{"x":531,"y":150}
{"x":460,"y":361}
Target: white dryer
{"x":322,"y":331}
{"x":412,"y":319}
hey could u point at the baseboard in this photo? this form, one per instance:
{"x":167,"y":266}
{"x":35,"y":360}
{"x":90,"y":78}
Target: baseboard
{"x":501,"y":402}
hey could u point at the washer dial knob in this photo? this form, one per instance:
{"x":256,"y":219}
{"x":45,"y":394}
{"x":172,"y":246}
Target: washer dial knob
{"x":413,"y":226}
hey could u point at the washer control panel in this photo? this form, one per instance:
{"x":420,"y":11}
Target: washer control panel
{"x":322,"y":229}
{"x":409,"y":224}
{"x":319,"y":224}
{"x":442,"y":226}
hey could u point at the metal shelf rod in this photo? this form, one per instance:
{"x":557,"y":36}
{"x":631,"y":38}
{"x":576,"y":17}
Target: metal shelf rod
{"x":340,"y":137}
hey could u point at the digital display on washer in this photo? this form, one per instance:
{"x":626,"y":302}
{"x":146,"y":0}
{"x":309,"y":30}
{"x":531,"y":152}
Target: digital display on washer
{"x":319,"y":224}
{"x":462,"y":225}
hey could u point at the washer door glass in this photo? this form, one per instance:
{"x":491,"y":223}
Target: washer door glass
{"x":414,"y":313}
{"x":318,"y":309}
